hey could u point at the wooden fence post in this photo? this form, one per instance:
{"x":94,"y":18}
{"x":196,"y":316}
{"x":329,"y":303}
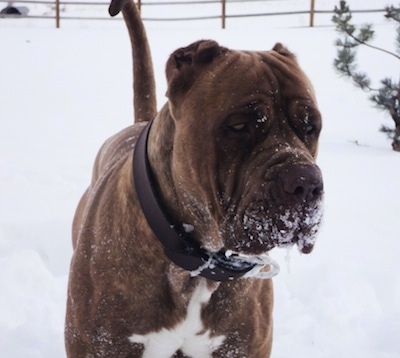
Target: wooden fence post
{"x":223,"y":13}
{"x":57,"y":14}
{"x":312,"y":13}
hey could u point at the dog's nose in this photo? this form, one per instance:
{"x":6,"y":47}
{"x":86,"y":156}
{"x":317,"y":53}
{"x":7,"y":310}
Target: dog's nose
{"x":301,"y":183}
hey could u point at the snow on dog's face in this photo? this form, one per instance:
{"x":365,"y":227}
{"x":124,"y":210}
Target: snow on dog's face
{"x":258,"y":229}
{"x":245,"y":143}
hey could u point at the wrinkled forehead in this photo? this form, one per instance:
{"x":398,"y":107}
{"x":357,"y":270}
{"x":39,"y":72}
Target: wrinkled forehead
{"x":245,"y":76}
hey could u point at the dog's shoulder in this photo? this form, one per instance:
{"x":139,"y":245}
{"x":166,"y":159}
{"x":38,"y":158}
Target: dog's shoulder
{"x":115,"y":150}
{"x":111,"y":161}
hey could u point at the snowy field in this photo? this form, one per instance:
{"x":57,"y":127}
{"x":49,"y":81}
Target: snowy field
{"x":63,"y":92}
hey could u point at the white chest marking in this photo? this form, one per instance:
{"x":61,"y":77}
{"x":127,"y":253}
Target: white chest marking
{"x":188,"y":336}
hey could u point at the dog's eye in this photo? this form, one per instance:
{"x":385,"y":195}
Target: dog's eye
{"x":310,"y":129}
{"x":309,"y":126}
{"x":238,"y":127}
{"x":306,"y":120}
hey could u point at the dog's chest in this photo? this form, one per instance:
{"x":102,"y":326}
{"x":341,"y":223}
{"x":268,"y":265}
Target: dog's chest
{"x":189,"y":335}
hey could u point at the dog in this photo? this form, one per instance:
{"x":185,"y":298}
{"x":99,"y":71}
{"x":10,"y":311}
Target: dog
{"x":171,"y":238}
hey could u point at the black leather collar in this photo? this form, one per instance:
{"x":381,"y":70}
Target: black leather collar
{"x":178,"y":245}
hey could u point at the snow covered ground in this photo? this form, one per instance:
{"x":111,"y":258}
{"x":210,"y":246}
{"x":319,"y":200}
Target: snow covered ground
{"x":63,"y":92}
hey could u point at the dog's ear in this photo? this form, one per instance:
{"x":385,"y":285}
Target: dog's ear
{"x":281,"y":49}
{"x":185,"y":64}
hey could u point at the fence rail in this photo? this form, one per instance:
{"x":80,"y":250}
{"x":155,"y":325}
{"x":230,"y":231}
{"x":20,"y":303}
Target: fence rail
{"x":57,"y":14}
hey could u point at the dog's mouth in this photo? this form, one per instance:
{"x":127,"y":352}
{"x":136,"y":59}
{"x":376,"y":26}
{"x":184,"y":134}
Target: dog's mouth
{"x":258,"y":230}
{"x":255,"y":234}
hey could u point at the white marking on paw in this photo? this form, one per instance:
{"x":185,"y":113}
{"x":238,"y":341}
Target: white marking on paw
{"x":188,"y":336}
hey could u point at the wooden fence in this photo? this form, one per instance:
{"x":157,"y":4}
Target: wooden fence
{"x":59,"y":15}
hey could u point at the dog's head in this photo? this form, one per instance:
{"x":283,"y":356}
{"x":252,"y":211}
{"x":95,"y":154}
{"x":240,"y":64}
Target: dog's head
{"x":245,"y":143}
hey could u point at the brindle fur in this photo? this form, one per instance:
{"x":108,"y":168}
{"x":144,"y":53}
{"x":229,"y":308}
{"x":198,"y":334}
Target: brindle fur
{"x":208,"y":175}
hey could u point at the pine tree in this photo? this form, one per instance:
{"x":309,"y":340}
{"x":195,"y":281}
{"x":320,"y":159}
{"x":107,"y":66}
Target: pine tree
{"x":387,"y":96}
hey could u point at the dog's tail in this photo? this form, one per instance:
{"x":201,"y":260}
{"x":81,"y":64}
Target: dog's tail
{"x":144,"y":88}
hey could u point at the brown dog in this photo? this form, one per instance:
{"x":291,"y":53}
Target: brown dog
{"x":171,"y":238}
